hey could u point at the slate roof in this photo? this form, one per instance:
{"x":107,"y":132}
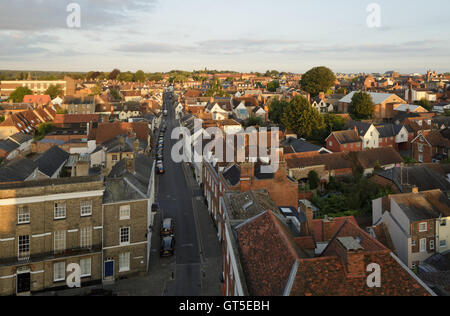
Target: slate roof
{"x":377,"y":97}
{"x":245,"y":205}
{"x":423,"y":177}
{"x":361,"y":127}
{"x":232,"y":175}
{"x":300,"y":146}
{"x":17,"y":171}
{"x":51,"y":160}
{"x":8,"y":145}
{"x":20,"y":138}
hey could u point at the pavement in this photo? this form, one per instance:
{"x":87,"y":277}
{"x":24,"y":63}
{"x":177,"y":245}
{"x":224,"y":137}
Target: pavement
{"x":196,"y":268}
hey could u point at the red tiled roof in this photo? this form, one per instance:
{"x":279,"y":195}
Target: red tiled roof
{"x":268,"y":253}
{"x":336,"y":223}
{"x":107,"y":131}
{"x":332,"y":275}
{"x":75,"y":118}
{"x":383,"y":156}
{"x":40,"y":99}
{"x":334,"y":161}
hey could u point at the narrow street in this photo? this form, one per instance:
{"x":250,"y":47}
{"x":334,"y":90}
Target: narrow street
{"x":196,"y":268}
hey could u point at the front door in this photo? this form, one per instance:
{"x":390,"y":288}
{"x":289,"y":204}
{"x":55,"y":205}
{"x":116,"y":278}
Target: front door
{"x":109,"y":269}
{"x":23,"y":283}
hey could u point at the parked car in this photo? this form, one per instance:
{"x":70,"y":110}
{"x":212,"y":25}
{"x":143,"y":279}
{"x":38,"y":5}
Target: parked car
{"x":167,"y":227}
{"x":155,"y":208}
{"x":160,"y":168}
{"x":167,"y":246}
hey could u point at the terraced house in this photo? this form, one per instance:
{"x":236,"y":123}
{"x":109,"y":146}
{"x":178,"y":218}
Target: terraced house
{"x":45,"y":226}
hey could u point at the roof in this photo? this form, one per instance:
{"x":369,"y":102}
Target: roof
{"x":245,"y":205}
{"x":107,"y":131}
{"x":8,"y":145}
{"x":20,"y":138}
{"x":423,"y":205}
{"x":300,"y":145}
{"x":42,"y":99}
{"x":333,"y":161}
{"x":75,"y":118}
{"x":232,"y":174}
{"x":377,"y":97}
{"x":18,"y":170}
{"x":346,"y":137}
{"x":421,"y":176}
{"x":361,"y":127}
{"x":383,"y":156}
{"x":52,"y":160}
{"x":268,"y":253}
{"x":330,"y":275}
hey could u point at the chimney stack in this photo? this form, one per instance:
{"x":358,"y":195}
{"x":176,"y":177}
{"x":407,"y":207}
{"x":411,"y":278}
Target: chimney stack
{"x":351,"y":252}
{"x":415,"y":190}
{"x":130,"y":165}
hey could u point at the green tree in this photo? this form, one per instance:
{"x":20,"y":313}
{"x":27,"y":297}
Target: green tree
{"x":54,"y":91}
{"x":302,"y":118}
{"x":2,"y":118}
{"x":216,"y":90}
{"x":318,"y":79}
{"x":114,"y":74}
{"x":313,"y":180}
{"x":115,"y":94}
{"x":276,"y":110}
{"x":140,"y":76}
{"x":425,"y":104}
{"x":254,"y":121}
{"x":19,"y":93}
{"x":43,"y":129}
{"x":97,"y":90}
{"x":155,"y":77}
{"x":273,"y":86}
{"x":362,"y":106}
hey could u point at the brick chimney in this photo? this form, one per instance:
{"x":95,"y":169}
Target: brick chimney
{"x":307,"y":227}
{"x":352,"y":256}
{"x":327,"y":228}
{"x":322,"y":96}
{"x":247,"y":174}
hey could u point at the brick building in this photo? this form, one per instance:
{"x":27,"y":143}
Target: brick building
{"x":432,"y":146}
{"x":44,"y":226}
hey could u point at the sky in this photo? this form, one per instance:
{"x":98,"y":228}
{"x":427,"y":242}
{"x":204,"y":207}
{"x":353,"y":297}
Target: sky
{"x":238,"y":35}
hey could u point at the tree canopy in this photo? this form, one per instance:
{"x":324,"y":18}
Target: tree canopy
{"x":425,"y":104}
{"x":54,"y":91}
{"x":273,"y":86}
{"x":114,"y":74}
{"x":19,"y":93}
{"x":302,"y":118}
{"x":276,"y":110}
{"x":362,"y":106}
{"x":139,"y":76}
{"x":318,"y":79}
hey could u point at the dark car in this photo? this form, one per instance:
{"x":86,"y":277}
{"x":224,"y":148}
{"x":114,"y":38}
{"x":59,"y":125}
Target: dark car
{"x":155,"y":208}
{"x":167,"y":246}
{"x":160,"y":169}
{"x":167,"y":227}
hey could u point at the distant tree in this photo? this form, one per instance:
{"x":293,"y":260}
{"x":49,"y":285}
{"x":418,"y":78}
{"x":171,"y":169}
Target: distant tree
{"x":2,"y":118}
{"x":19,"y":93}
{"x":114,"y":74}
{"x":276,"y":110}
{"x":215,"y":90}
{"x":140,"y":76}
{"x":115,"y":94}
{"x":318,"y":79}
{"x":302,"y":118}
{"x":254,"y":121}
{"x":313,"y":180}
{"x":97,"y":90}
{"x":54,"y":91}
{"x":273,"y":86}
{"x":425,"y":104}
{"x":126,"y":77}
{"x":43,"y":129}
{"x":362,"y":106}
{"x":155,"y":77}
{"x":61,"y":111}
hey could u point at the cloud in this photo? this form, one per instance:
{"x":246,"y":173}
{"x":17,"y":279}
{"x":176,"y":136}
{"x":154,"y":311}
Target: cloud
{"x":38,"y":15}
{"x":17,"y":44}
